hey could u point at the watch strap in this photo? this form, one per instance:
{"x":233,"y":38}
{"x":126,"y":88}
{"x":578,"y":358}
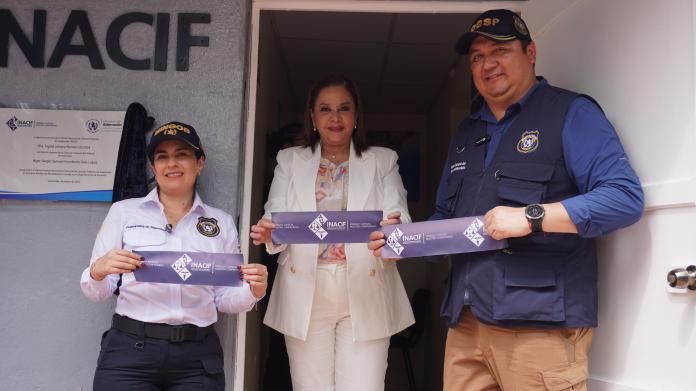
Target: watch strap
{"x":535,"y":225}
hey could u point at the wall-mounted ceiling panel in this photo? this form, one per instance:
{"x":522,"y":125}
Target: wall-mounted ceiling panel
{"x":333,"y":26}
{"x":314,"y":58}
{"x":414,"y":98}
{"x":430,"y":28}
{"x":419,"y":63}
{"x":400,"y":61}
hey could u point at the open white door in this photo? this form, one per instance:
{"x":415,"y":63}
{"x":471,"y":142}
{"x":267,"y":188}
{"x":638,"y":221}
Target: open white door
{"x":249,"y":348}
{"x":637,"y":59}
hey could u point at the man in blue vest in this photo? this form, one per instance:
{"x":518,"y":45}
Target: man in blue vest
{"x":546,"y":168}
{"x":548,"y":171}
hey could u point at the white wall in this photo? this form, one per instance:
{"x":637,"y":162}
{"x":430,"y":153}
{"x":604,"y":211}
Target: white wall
{"x":274,"y":109}
{"x":50,"y":331}
{"x":449,"y":109}
{"x":636,"y":57}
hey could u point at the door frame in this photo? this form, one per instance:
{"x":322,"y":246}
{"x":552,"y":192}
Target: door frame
{"x":383,"y":6}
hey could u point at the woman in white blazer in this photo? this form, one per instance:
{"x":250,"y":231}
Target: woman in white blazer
{"x":337,"y":305}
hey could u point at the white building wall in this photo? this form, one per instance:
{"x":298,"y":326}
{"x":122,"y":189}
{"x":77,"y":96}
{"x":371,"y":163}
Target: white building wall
{"x":50,"y":331}
{"x":636,"y":57}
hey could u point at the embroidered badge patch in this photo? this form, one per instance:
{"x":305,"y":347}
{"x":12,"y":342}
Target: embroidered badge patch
{"x":208,"y":226}
{"x":457,"y":167}
{"x":528,"y":142}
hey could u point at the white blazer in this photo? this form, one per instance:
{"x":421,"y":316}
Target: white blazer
{"x":379,"y":306}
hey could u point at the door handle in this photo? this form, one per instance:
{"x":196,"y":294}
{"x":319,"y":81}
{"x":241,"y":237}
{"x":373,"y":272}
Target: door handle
{"x":681,"y":278}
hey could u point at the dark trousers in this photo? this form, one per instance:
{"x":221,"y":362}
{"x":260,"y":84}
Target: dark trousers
{"x":134,"y":363}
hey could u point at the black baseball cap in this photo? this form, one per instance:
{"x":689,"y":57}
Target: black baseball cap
{"x":497,"y":25}
{"x":175,"y":131}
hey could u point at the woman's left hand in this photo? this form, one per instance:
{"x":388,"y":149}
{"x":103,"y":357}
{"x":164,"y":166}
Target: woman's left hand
{"x":377,"y":240}
{"x":256,"y":275}
{"x":392,"y":218}
{"x":261,"y":232}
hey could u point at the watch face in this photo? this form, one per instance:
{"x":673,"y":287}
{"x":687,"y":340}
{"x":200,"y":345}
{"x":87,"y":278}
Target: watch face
{"x":534,"y":211}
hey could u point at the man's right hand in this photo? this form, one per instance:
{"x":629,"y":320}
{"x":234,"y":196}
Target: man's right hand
{"x":504,"y":222}
{"x":376,"y":243}
{"x":116,"y":261}
{"x":261,"y":231}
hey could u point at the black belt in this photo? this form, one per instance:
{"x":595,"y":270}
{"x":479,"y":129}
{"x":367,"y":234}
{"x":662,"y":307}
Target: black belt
{"x":186,"y":332}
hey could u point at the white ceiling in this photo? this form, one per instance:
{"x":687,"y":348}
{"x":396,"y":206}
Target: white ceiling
{"x":400,"y":61}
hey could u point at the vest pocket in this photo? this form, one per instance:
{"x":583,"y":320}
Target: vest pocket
{"x":532,"y":291}
{"x":566,"y":378}
{"x":523,"y":193}
{"x":523,"y":183}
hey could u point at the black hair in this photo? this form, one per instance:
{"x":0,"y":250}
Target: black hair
{"x":525,"y":43}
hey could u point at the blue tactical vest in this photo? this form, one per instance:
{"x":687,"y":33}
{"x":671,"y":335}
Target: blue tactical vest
{"x":541,"y":280}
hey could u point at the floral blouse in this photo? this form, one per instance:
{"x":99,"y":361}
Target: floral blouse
{"x":331,"y":191}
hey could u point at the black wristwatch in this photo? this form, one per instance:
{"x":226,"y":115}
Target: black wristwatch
{"x":535,"y":215}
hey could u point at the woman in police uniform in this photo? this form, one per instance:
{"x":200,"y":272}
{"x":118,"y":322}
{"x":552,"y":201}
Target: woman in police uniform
{"x":162,"y":335}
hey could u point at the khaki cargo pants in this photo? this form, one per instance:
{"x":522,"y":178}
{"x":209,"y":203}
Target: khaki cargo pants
{"x":484,"y":357}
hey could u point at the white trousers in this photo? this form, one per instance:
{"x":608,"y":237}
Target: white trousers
{"x":329,"y":360}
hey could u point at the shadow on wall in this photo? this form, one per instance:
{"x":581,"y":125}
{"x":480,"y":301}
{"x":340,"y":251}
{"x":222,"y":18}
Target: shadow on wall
{"x":407,"y":144}
{"x":624,"y":257}
{"x":276,"y":371}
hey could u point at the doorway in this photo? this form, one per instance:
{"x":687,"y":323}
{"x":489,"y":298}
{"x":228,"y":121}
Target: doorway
{"x":415,"y":90}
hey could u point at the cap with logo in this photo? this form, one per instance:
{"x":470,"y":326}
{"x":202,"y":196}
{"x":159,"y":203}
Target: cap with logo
{"x":175,"y":131}
{"x":499,"y":25}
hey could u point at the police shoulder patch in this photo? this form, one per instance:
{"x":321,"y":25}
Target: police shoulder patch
{"x":528,"y":142}
{"x":208,"y":226}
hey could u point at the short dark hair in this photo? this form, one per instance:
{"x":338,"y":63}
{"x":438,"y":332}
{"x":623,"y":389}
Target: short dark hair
{"x":309,"y":137}
{"x":525,"y":43}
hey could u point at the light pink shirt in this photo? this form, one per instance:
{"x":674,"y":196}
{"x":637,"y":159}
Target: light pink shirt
{"x":331,"y":193}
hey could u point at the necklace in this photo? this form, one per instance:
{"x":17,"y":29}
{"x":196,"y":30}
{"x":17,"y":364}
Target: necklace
{"x":333,"y":156}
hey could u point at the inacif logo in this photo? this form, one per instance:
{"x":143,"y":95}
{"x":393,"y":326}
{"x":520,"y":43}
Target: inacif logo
{"x":15,"y":123}
{"x":12,"y":123}
{"x":316,"y":226}
{"x":179,"y":267}
{"x":393,"y":241}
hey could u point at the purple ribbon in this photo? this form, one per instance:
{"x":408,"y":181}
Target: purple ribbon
{"x":325,"y":227}
{"x":437,"y":237}
{"x":190,"y":268}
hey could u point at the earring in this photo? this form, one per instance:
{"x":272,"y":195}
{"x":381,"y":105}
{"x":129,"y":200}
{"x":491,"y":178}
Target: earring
{"x":315,"y":128}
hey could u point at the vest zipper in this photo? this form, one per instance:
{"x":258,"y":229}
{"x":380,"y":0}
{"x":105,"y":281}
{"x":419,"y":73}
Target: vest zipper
{"x":478,"y":192}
